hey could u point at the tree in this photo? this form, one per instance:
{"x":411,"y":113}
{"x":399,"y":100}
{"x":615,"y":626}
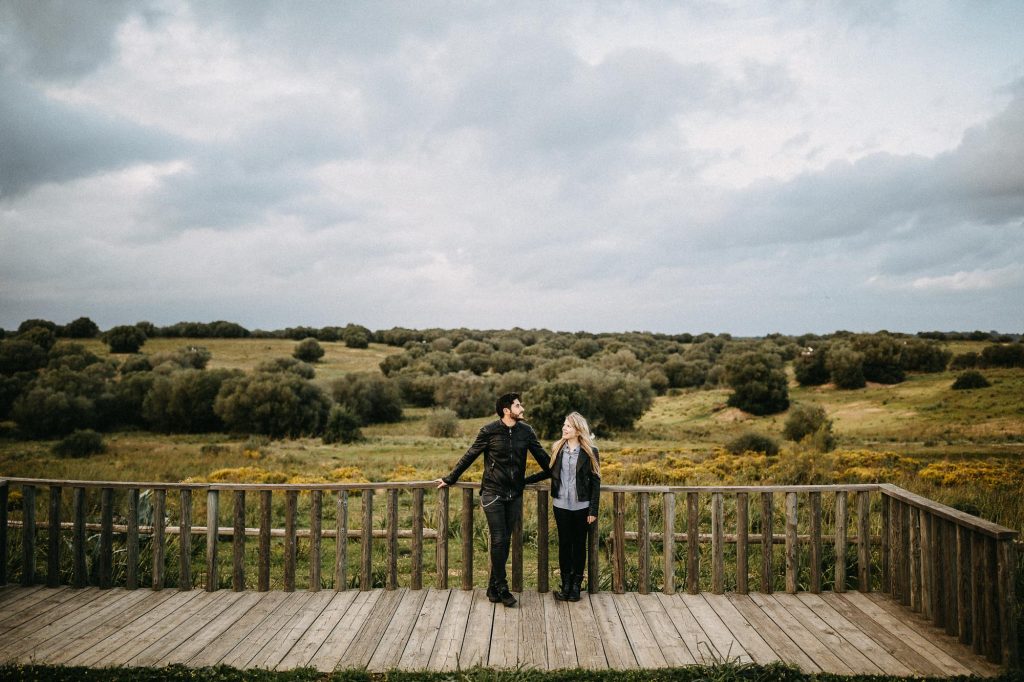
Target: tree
{"x":280,"y":405}
{"x":124,"y":339}
{"x":881,"y":358}
{"x":617,"y":400}
{"x":342,"y":427}
{"x":184,"y":401}
{"x":970,"y":379}
{"x":751,"y":441}
{"x":369,"y":396}
{"x":19,"y":355}
{"x":809,"y":420}
{"x":923,"y":355}
{"x":845,"y":366}
{"x":810,"y":367}
{"x":44,"y":412}
{"x":467,"y":394}
{"x":308,"y":350}
{"x":81,"y":328}
{"x":551,"y":401}
{"x":356,"y":336}
{"x":292,"y":365}
{"x":758,"y":382}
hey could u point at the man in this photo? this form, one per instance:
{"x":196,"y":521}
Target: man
{"x":504,"y":443}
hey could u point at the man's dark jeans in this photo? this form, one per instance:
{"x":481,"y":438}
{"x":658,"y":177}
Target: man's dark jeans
{"x":502,"y":516}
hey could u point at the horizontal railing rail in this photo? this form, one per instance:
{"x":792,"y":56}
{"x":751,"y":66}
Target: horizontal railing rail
{"x":954,"y":568}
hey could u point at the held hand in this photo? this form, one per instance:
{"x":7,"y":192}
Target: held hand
{"x":591,"y":519}
{"x":440,"y":483}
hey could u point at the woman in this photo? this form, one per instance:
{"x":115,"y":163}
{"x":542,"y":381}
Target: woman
{"x":576,"y":493}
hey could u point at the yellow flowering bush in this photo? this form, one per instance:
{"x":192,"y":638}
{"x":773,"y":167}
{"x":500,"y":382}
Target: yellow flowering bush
{"x":404,"y":472}
{"x":347,"y":475}
{"x":242,"y":475}
{"x":977,"y":473}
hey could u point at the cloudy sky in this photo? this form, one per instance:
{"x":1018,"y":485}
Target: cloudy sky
{"x":726,"y":166}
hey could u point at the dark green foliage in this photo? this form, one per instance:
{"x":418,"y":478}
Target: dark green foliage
{"x":845,"y":366}
{"x":124,"y":339}
{"x":148,"y":328}
{"x":123,"y":404}
{"x":758,"y":382}
{"x":810,"y":366}
{"x":514,"y":382}
{"x":32,"y":324}
{"x":219,"y":329}
{"x":920,"y":355}
{"x":308,"y":350}
{"x":548,"y":403}
{"x":416,"y":389}
{"x":968,"y":360}
{"x":40,"y":336}
{"x":393,"y":363}
{"x":19,"y":355}
{"x":1003,"y":355}
{"x":183,"y":401}
{"x":751,"y":441}
{"x":356,"y":336}
{"x":584,"y":348}
{"x":136,"y":363}
{"x":342,"y":426}
{"x":443,"y":423}
{"x":369,"y":396}
{"x":881,"y":358}
{"x":81,"y":443}
{"x":683,"y":373}
{"x":806,"y":421}
{"x":11,"y":386}
{"x":82,"y":328}
{"x":615,"y":400}
{"x":467,"y":394}
{"x":189,"y":357}
{"x":71,"y":356}
{"x":277,"y":404}
{"x":297,"y":367}
{"x":969,"y":380}
{"x":45,"y":412}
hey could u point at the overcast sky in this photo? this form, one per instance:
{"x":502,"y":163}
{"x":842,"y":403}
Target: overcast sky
{"x":735,"y":167}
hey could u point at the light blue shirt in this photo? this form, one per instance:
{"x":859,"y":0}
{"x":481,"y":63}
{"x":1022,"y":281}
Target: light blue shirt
{"x":567,"y":498}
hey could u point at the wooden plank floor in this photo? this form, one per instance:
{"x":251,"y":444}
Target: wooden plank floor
{"x":446,"y":629}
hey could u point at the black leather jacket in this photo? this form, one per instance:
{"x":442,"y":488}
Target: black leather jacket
{"x":588,"y":484}
{"x":504,"y":450}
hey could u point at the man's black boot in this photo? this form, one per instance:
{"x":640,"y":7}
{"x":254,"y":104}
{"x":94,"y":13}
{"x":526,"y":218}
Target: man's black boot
{"x":574,"y":588}
{"x":493,"y":593}
{"x":562,"y":593}
{"x":507,"y":598}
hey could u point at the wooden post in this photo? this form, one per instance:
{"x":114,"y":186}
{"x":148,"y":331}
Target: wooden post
{"x":593,"y":569}
{"x":53,"y":553}
{"x":341,"y":544}
{"x":886,"y":551}
{"x":517,"y":554}
{"x":957,"y":581}
{"x":792,"y":544}
{"x":864,"y":541}
{"x":840,"y":544}
{"x":1006,"y":560}
{"x":291,"y":504}
{"x":717,"y":544}
{"x":315,"y":538}
{"x":159,"y":540}
{"x":815,"y":529}
{"x":263,"y":576}
{"x":132,"y":541}
{"x":692,"y":543}
{"x":906,"y":552}
{"x":993,"y":637}
{"x":938,"y":570}
{"x":742,"y":543}
{"x":543,"y":541}
{"x":28,"y":535}
{"x":978,"y":578}
{"x":212,"y":521}
{"x":366,"y":543}
{"x":767,"y":532}
{"x":238,"y":544}
{"x":467,"y":539}
{"x":416,"y":579}
{"x":668,"y":512}
{"x":619,"y":556}
{"x":392,"y":538}
{"x":441,"y":546}
{"x":4,"y":492}
{"x":80,"y":575}
{"x":644,"y":539}
{"x":915,"y":559}
{"x":925,"y":535}
{"x":184,"y":542}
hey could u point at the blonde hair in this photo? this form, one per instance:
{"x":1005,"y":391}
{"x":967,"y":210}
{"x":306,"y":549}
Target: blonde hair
{"x":579,"y":423}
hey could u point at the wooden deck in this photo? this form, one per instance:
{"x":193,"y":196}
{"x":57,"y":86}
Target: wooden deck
{"x":447,"y":629}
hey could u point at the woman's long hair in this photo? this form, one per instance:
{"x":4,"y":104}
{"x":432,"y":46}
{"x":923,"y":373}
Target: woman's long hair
{"x":577,"y":421}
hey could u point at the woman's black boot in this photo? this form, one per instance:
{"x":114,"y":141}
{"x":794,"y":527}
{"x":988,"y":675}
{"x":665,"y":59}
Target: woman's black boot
{"x":563,"y":593}
{"x":574,"y":588}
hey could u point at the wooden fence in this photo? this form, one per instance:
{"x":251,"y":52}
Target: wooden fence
{"x":956,"y":569}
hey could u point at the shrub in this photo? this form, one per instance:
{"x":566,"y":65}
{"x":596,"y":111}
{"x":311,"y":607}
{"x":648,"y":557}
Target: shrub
{"x":922,"y":355}
{"x":72,"y":356}
{"x":969,"y":380}
{"x":548,"y":403}
{"x":845,"y":366}
{"x":10,"y":388}
{"x":685,"y":373}
{"x":584,"y":348}
{"x":809,"y":420}
{"x":1003,"y":355}
{"x":18,"y":355}
{"x":881,"y":358}
{"x":356,"y":336}
{"x":82,"y":328}
{"x":124,"y":339}
{"x":968,"y":360}
{"x":184,"y":401}
{"x":614,"y":400}
{"x":758,"y":382}
{"x":43,"y":412}
{"x":467,"y":394}
{"x":416,"y":389}
{"x":278,"y":405}
{"x":293,"y":365}
{"x":810,"y":367}
{"x":40,"y":336}
{"x":342,"y":426}
{"x":124,"y":403}
{"x":751,"y":441}
{"x":443,"y":423}
{"x":32,"y":324}
{"x":308,"y":350}
{"x":80,"y":443}
{"x":371,"y":397}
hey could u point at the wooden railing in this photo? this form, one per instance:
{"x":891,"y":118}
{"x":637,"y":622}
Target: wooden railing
{"x":956,"y":569}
